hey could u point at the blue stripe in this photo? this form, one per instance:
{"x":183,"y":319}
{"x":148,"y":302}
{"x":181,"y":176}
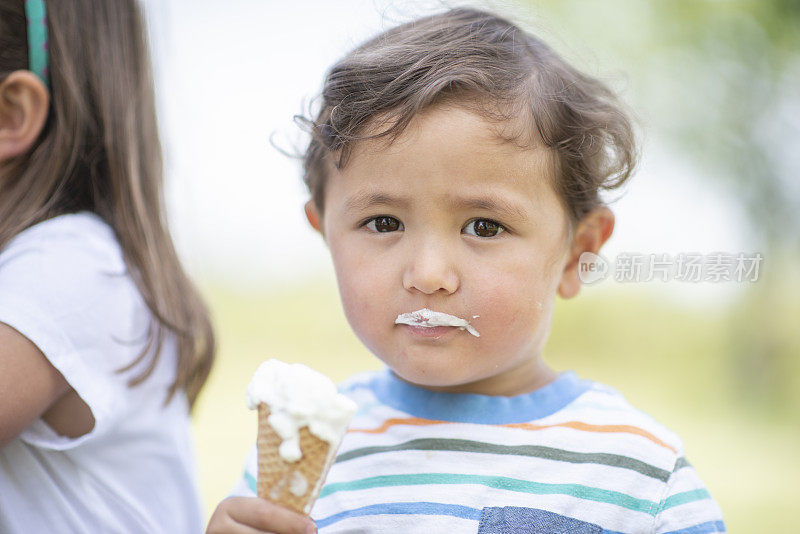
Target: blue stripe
{"x":474,"y":408}
{"x":404,"y":508}
{"x":504,"y":483}
{"x":702,"y":528}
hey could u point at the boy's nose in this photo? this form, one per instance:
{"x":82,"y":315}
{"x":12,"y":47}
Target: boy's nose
{"x":430,"y":271}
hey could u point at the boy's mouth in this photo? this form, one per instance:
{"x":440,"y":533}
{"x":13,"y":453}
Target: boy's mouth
{"x":426,"y":318}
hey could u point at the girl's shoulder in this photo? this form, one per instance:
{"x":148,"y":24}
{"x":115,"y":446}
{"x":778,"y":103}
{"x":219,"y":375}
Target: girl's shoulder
{"x":65,"y":286}
{"x":68,"y":255}
{"x":79,"y":235}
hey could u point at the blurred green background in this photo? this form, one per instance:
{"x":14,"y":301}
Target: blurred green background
{"x":716,"y":83}
{"x":678,"y":364}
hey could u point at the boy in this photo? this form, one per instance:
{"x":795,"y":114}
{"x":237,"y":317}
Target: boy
{"x":455,"y":168}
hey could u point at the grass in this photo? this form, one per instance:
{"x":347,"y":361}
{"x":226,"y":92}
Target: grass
{"x":671,"y":362}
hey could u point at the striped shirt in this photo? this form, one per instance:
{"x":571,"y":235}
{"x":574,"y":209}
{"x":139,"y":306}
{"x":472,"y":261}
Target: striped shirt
{"x":570,"y":457}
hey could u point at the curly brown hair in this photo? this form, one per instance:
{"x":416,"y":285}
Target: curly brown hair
{"x":476,"y":59}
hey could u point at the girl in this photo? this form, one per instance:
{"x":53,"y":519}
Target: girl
{"x":104,"y":341}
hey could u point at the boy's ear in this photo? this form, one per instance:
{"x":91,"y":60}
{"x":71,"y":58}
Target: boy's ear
{"x":313,"y":216}
{"x":592,"y":232}
{"x":24,"y":106}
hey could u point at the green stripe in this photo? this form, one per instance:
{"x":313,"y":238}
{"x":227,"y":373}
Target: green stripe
{"x":503,"y":483}
{"x":251,"y":481}
{"x":549,"y":453}
{"x":685,"y":497}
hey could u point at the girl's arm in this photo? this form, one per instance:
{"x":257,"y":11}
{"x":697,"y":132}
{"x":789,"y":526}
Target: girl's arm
{"x":30,"y":387}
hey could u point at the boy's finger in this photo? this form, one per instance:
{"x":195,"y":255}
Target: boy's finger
{"x":264,"y":515}
{"x":227,"y":525}
{"x":222,"y":521}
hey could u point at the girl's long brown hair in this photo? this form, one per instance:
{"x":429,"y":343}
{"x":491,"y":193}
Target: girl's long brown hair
{"x":99,"y":151}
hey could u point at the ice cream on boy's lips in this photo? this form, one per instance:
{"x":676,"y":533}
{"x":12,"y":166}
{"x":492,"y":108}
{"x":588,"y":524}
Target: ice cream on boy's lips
{"x":302,"y":418}
{"x":426,"y":318}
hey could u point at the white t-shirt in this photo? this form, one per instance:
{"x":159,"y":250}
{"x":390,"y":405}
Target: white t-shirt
{"x":64,"y":286}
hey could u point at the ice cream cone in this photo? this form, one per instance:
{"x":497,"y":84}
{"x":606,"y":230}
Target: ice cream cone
{"x":292,"y":401}
{"x":294,"y":485}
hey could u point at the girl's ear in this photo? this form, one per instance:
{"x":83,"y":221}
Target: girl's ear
{"x":312,"y":214}
{"x":592,"y":232}
{"x":24,"y":106}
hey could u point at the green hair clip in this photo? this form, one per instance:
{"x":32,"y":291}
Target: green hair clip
{"x":37,"y":38}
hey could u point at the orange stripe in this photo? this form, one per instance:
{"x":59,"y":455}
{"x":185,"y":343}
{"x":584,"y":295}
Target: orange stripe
{"x":392,"y":422}
{"x":576,"y":425}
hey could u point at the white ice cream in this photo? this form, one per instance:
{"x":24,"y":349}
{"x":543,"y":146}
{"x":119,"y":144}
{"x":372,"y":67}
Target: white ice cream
{"x":428,"y":319}
{"x":298,"y":484}
{"x":299,"y":396}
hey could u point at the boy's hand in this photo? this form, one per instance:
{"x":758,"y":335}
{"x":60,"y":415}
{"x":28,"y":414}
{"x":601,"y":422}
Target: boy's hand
{"x":251,"y":515}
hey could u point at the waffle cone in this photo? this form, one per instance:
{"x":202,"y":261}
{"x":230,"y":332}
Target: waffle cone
{"x":294,"y":485}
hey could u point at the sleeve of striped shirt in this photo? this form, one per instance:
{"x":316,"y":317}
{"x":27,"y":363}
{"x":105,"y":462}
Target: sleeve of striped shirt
{"x":687,"y":507}
{"x":246,"y":485}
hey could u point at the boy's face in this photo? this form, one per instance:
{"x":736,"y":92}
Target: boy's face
{"x":451,"y":218}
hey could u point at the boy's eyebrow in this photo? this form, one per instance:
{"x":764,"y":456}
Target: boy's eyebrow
{"x":364,"y":200}
{"x":490,"y":203}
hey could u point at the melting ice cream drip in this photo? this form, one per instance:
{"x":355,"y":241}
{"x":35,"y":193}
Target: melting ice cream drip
{"x":298,"y":396}
{"x":428,"y":319}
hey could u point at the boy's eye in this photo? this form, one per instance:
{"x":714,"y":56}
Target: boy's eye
{"x":384,"y":223}
{"x":483,"y":228}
